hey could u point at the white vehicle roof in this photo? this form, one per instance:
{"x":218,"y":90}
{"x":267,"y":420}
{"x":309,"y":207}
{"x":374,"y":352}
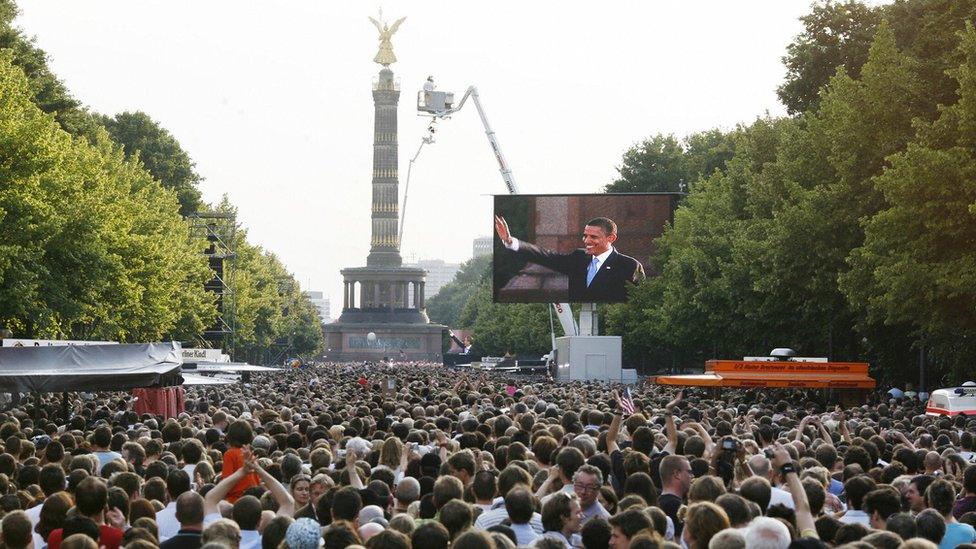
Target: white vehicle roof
{"x":952,"y":401}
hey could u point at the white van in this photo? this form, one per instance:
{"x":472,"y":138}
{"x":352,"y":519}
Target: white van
{"x":952,"y":402}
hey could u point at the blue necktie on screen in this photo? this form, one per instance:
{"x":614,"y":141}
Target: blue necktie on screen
{"x":591,"y":271}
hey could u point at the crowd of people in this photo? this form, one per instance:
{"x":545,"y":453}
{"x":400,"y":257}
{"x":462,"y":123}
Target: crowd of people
{"x":428,"y":457}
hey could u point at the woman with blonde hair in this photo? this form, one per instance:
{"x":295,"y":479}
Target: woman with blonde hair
{"x":702,"y":521}
{"x":390,"y":454}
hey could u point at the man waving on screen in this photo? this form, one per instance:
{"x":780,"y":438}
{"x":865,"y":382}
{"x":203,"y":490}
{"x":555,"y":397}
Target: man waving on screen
{"x":597,"y":272}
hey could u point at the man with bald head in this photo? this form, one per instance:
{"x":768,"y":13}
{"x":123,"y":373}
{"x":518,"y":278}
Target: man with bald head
{"x":933,"y":464}
{"x":761,"y":467}
{"x":189,"y":513}
{"x":407,"y":492}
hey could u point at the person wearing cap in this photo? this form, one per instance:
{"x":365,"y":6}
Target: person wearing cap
{"x":372,"y":514}
{"x":304,"y":533}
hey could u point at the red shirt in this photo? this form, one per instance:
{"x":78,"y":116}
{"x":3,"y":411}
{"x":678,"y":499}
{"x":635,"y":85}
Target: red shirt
{"x":234,"y":460}
{"x":108,"y":537}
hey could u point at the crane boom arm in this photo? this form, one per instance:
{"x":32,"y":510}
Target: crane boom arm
{"x":563,"y":312}
{"x":507,"y":176}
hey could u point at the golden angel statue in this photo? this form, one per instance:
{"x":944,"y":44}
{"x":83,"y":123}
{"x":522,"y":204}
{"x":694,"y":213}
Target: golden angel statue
{"x":385,"y":56}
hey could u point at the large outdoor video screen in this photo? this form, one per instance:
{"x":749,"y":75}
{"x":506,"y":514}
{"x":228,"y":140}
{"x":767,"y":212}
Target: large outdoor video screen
{"x":583,"y":248}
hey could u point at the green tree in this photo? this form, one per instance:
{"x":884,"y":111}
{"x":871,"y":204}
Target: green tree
{"x":836,"y":34}
{"x":301,"y":329}
{"x":445,"y":307}
{"x":663,"y":164}
{"x":93,"y":247}
{"x":161,"y":154}
{"x":503,"y":327}
{"x":47,"y":92}
{"x":929,"y":31}
{"x":822,"y":175}
{"x":270,"y":316}
{"x":703,"y":303}
{"x":917,"y":265}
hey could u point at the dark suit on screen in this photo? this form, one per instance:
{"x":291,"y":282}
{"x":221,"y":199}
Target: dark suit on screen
{"x":610,"y":282}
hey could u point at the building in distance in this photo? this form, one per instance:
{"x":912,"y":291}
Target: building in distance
{"x":439,"y":273}
{"x":482,"y":245}
{"x":322,"y":304}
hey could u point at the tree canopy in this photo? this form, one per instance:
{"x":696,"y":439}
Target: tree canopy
{"x":846,"y":230}
{"x":94,"y":244}
{"x":93,"y":247}
{"x":160,"y":153}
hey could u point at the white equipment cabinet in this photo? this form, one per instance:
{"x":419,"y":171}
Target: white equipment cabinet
{"x":588,"y":358}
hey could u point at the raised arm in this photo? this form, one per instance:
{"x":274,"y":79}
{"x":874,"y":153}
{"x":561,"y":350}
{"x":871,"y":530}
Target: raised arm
{"x":354,"y":479}
{"x":443,"y":442}
{"x":824,"y":433}
{"x":672,"y":431}
{"x":614,"y":430}
{"x":221,"y":490}
{"x":286,"y":503}
{"x":800,"y":429}
{"x":742,"y":471}
{"x":709,"y":443}
{"x":845,"y":433}
{"x":546,"y":487}
{"x":501,"y":227}
{"x":904,"y":440}
{"x":804,"y":518}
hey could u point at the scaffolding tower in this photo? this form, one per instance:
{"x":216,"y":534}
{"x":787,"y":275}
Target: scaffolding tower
{"x":220,"y":231}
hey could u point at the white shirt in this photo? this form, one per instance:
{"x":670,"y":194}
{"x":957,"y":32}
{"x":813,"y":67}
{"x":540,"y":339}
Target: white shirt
{"x":524,"y":533}
{"x":190,"y":469}
{"x":209,"y":519}
{"x":166,"y":522}
{"x":495,"y":517}
{"x":105,"y":457}
{"x":601,"y":259}
{"x":856,"y":515}
{"x":780,"y":496}
{"x":566,"y":489}
{"x":595,"y":510}
{"x":250,"y":539}
{"x":574,"y":541}
{"x":34,"y":514}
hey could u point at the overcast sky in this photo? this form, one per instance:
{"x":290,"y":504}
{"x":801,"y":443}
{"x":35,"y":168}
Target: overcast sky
{"x":273,"y":102}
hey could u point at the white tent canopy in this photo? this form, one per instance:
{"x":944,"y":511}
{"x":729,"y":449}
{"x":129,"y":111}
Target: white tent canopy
{"x":89,"y":367}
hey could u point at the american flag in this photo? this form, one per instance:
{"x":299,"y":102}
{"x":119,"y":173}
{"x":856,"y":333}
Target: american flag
{"x":627,"y":402}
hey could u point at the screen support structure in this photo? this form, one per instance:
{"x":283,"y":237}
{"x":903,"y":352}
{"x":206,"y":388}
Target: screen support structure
{"x":589,"y":322}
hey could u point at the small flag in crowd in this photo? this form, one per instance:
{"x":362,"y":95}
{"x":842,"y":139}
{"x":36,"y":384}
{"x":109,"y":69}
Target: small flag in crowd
{"x":627,"y":402}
